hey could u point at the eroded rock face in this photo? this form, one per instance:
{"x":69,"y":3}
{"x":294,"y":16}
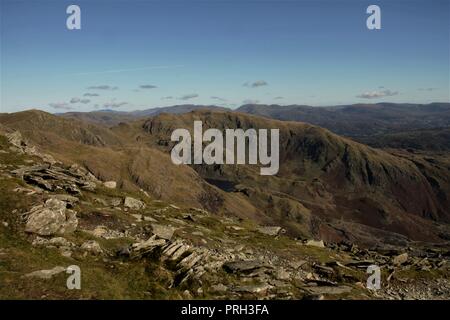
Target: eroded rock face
{"x":51,"y":218}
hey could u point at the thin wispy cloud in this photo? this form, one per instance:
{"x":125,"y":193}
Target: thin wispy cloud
{"x":90,"y":94}
{"x":279,"y":98}
{"x":426,"y":89}
{"x":102,"y":87}
{"x":124,"y":70}
{"x":78,"y":100}
{"x":188,"y":96}
{"x":377,"y":94}
{"x":60,"y":106}
{"x":167,"y":98}
{"x":147,"y":86}
{"x":219,"y":99}
{"x":255,"y":84}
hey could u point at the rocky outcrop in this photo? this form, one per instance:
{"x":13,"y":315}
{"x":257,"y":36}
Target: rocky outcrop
{"x":55,"y":178}
{"x":20,"y":145}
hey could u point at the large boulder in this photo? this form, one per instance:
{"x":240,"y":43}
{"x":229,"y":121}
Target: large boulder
{"x":51,"y":218}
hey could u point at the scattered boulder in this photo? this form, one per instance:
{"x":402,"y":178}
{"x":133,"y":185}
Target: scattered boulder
{"x":28,"y":191}
{"x":163,"y":232}
{"x":46,"y":274}
{"x":149,"y":219}
{"x":282,"y":274}
{"x":123,"y":251}
{"x":187,"y":295}
{"x":218,"y":288}
{"x":51,"y":218}
{"x":92,"y":247}
{"x":315,"y":243}
{"x":115,"y":202}
{"x":53,"y":242}
{"x":104,"y":232}
{"x":71,"y":200}
{"x":189,"y":217}
{"x":110,"y":184}
{"x":271,"y":231}
{"x":133,"y":203}
{"x":100,"y":201}
{"x":400,"y":259}
{"x":148,"y":245}
{"x":242,"y":266}
{"x":260,"y":289}
{"x":329,"y":290}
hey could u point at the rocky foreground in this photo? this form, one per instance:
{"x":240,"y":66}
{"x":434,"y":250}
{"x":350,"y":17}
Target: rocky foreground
{"x":128,"y":245}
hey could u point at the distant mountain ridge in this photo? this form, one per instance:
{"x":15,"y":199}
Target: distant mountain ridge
{"x":113,"y":117}
{"x":360,"y":119}
{"x":356,"y":120}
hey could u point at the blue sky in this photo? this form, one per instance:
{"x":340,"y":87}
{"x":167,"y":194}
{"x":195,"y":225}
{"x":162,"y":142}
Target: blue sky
{"x":221,"y":52}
